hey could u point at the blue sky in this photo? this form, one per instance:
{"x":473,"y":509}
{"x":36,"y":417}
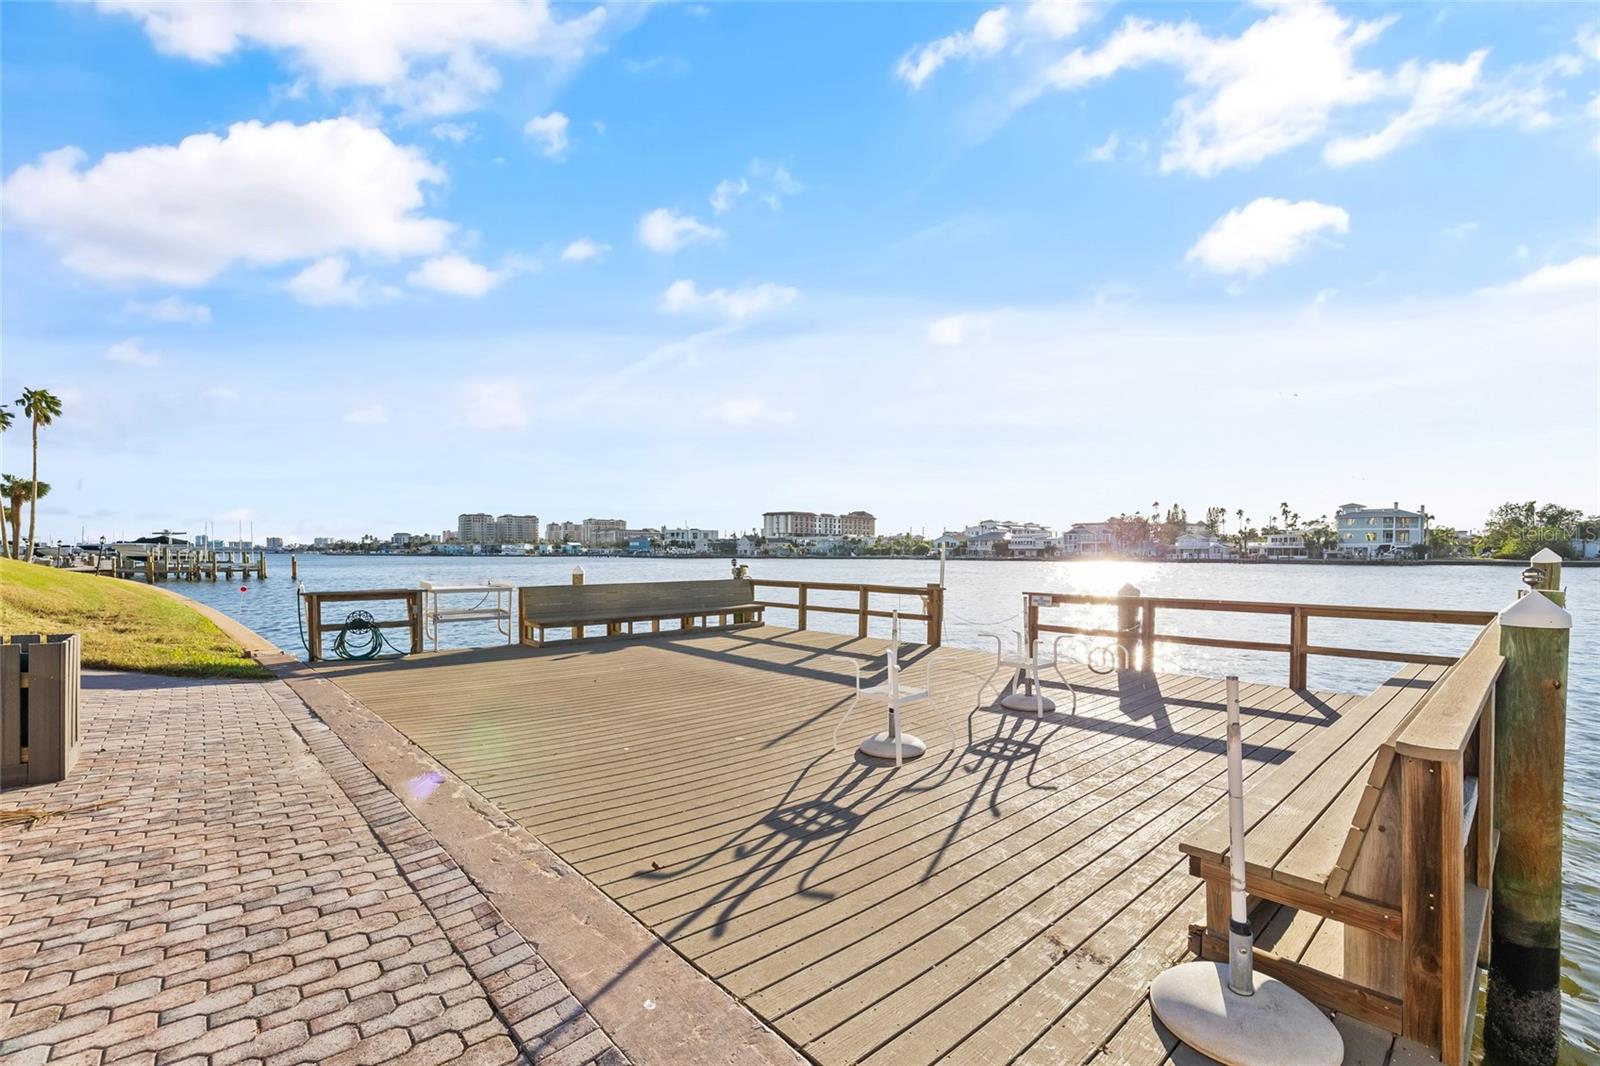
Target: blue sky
{"x":345,"y":268}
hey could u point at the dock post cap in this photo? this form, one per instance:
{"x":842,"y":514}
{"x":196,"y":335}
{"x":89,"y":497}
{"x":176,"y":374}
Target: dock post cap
{"x":1128,"y":589}
{"x":1535,"y":611}
{"x":1545,"y":555}
{"x":1274,"y":1025}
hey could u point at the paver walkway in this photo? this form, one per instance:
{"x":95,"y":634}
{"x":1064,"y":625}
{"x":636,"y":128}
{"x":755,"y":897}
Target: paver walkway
{"x":251,"y":893}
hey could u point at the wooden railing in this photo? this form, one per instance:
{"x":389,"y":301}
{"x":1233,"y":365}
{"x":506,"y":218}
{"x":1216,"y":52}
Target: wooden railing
{"x":1137,"y":616}
{"x":316,"y":627}
{"x":932,"y":597}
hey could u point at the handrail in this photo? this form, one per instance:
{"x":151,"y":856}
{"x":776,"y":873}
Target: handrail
{"x":931,"y":594}
{"x":1138,"y":626}
{"x":315,"y":627}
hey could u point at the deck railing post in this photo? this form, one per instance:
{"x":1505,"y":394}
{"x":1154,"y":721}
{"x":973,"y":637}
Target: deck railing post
{"x":802,"y":605}
{"x":1522,"y":1025}
{"x":1127,"y":622}
{"x":935,"y":614}
{"x":1297,"y":645}
{"x":865,"y":600}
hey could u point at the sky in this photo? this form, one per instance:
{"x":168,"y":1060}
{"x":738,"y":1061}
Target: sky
{"x":345,"y":268}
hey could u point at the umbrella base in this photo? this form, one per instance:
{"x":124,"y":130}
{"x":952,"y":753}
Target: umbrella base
{"x":1275,"y":1026}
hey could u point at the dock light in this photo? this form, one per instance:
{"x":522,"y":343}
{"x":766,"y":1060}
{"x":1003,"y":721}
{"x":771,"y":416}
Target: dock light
{"x":1223,"y":1009}
{"x":1532,"y":576}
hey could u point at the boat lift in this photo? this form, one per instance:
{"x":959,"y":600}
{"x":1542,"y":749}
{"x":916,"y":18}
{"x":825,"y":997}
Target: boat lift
{"x":435,"y":614}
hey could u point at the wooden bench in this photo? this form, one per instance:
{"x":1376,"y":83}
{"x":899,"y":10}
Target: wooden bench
{"x":1382,"y":824}
{"x":622,"y":606}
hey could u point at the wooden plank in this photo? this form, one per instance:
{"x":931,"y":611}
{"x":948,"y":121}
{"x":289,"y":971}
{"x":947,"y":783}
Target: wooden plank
{"x":1431,"y":900}
{"x":1448,"y":719}
{"x":11,"y":715}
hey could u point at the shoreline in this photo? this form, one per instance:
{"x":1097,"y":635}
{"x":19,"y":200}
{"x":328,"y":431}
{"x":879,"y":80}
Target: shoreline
{"x":957,"y":559}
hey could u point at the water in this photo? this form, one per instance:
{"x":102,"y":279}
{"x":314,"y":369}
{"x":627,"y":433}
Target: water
{"x":985,"y":597}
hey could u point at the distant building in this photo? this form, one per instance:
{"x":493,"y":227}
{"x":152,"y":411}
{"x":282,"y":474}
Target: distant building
{"x":202,"y":541}
{"x":1280,"y":546}
{"x":561,"y":532}
{"x":475,"y":528}
{"x":517,"y":529}
{"x":694,"y":540}
{"x":988,"y":543}
{"x":1086,"y":538}
{"x":1374,"y":531}
{"x":1200,"y":545}
{"x":819,"y":524}
{"x":321,"y":542}
{"x":950,"y":541}
{"x":274,"y":544}
{"x":603,"y":532}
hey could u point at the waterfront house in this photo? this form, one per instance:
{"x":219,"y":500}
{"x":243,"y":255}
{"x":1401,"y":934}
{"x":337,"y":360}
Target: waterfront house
{"x":1200,"y":545}
{"x":989,"y":544}
{"x":1369,"y":532}
{"x":691,"y":540}
{"x":1280,"y":546}
{"x":950,"y":542}
{"x":1085,"y":538}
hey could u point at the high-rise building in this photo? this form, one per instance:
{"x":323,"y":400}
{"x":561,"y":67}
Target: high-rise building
{"x":517,"y":529}
{"x":475,"y":528}
{"x":602,"y":532}
{"x":274,"y":544}
{"x":562,"y":532}
{"x":813,"y":524}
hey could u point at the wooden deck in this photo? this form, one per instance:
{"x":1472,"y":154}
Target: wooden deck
{"x":1006,"y":901}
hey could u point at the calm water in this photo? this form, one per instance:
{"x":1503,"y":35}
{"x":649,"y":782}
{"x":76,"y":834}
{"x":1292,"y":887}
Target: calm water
{"x":986,"y":597}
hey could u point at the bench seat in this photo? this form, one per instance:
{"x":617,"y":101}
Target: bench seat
{"x":620,"y":606}
{"x":1383,"y":823}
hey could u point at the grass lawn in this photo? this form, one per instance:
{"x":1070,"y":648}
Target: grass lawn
{"x":124,"y":626}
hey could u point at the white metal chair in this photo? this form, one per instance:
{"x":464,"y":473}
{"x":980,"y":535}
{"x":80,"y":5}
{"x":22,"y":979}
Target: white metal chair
{"x":1026,"y":663}
{"x":893,"y":743}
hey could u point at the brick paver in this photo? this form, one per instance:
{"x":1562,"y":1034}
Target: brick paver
{"x":253,"y":893}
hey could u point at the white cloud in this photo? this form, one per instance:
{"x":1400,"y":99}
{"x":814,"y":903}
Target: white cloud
{"x":995,"y":30}
{"x":751,"y":411}
{"x":328,"y":283}
{"x":1265,"y":233}
{"x":1578,"y":275}
{"x":171,"y":309}
{"x":1263,"y":92}
{"x":260,"y":194}
{"x":584,"y":250}
{"x":662,"y":231}
{"x":1105,"y":151}
{"x":493,"y":405}
{"x":550,"y":132}
{"x":459,"y":276}
{"x":1287,"y":78}
{"x":955,"y":330}
{"x":427,"y":58}
{"x":131,"y":353}
{"x":372,"y":414}
{"x":684,"y":297}
{"x":454,"y":132}
{"x":727,"y":191}
{"x":1436,"y":93}
{"x":770,"y":182}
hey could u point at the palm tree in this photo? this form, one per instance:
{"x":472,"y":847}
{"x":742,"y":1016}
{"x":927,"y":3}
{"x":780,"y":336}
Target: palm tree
{"x":42,"y":407}
{"x":13,"y":492}
{"x":6,"y":418}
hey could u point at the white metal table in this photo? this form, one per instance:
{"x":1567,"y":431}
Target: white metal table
{"x":435,"y":614}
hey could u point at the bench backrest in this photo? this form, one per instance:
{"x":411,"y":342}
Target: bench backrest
{"x":553,"y":604}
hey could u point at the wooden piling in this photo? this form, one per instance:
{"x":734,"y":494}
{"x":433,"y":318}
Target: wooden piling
{"x":1522,"y":1025}
{"x":294,"y":568}
{"x":1548,"y":563}
{"x":1127,"y":622}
